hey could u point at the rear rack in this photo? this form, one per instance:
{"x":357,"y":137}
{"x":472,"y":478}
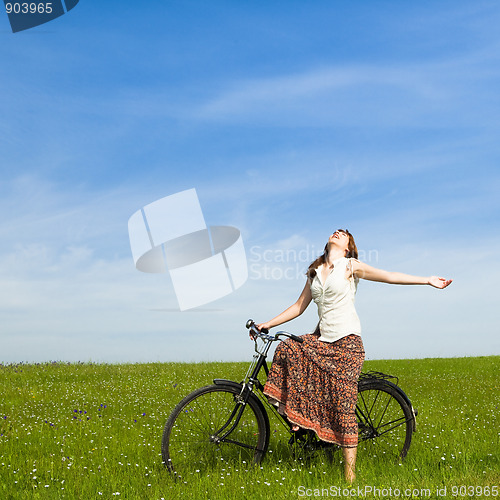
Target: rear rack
{"x":378,"y":376}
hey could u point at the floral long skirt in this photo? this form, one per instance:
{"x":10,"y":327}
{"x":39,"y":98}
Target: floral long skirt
{"x":316,"y":384}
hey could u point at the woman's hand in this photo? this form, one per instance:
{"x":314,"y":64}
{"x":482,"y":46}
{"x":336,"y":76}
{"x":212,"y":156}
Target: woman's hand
{"x":438,"y":282}
{"x":266,"y":325}
{"x":259,"y":327}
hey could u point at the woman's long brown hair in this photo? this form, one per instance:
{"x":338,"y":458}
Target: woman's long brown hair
{"x":352,"y":251}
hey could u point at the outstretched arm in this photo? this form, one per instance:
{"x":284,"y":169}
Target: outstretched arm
{"x":364,"y":271}
{"x":293,"y":311}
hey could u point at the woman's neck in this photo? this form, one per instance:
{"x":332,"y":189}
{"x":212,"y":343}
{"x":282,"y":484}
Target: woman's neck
{"x":333,"y":255}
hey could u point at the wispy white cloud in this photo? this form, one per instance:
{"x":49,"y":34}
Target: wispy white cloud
{"x":432,"y":93}
{"x":453,"y":91}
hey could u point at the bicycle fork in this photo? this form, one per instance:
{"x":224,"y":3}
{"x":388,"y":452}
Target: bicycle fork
{"x":233,"y":420}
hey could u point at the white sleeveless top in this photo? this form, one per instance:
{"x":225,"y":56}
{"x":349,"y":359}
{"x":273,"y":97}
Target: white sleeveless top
{"x":335,"y":301}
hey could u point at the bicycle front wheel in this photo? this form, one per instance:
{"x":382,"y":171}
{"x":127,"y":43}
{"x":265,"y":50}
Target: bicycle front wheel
{"x":212,"y":428}
{"x":385,"y":419}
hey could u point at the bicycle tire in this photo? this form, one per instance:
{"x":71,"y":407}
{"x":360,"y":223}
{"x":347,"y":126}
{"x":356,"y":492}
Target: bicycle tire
{"x":189,"y":445}
{"x":385,"y":419}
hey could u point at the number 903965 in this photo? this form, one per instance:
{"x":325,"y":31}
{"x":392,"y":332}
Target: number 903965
{"x":474,"y":491}
{"x":28,"y":7}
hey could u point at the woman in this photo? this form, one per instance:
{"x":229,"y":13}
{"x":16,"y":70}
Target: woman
{"x":314,"y":383}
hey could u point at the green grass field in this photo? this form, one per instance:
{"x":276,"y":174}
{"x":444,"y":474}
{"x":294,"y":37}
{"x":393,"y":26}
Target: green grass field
{"x":94,"y":431}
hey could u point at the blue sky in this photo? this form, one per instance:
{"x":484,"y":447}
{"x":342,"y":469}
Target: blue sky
{"x":290,"y":119}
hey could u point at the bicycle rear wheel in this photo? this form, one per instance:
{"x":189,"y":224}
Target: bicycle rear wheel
{"x":385,"y":419}
{"x":211,"y":428}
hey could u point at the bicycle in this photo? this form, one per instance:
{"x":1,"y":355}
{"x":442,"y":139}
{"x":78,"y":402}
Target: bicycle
{"x":228,"y":421}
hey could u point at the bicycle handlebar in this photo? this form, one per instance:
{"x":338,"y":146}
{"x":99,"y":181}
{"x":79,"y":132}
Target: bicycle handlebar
{"x":264,"y":333}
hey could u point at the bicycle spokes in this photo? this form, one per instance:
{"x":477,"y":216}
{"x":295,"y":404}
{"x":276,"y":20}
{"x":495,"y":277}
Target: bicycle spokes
{"x":384,"y":419}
